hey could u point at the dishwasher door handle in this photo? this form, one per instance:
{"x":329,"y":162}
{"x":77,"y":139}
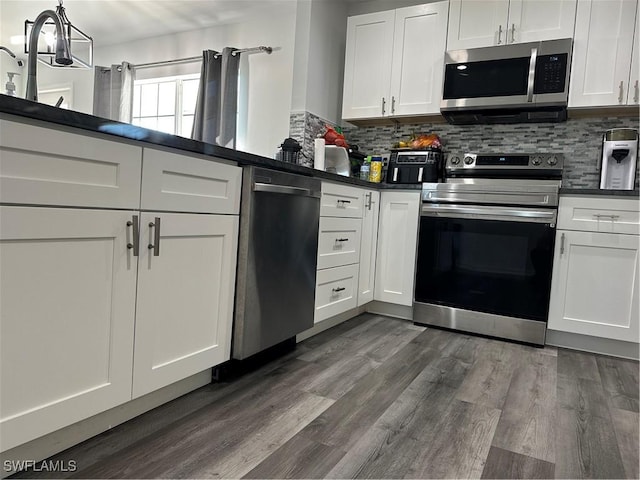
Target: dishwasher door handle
{"x":284,"y":189}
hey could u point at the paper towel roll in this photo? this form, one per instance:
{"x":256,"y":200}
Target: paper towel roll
{"x":318,"y":153}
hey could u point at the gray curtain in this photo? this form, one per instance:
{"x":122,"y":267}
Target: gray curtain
{"x":206,"y":123}
{"x":113,"y":92}
{"x":217,"y":104}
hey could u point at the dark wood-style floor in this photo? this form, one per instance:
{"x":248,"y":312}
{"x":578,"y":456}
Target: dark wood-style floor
{"x":381,"y":398}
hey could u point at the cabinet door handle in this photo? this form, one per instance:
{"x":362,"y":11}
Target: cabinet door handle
{"x":369,"y":200}
{"x":393,"y":104}
{"x":342,"y":239}
{"x":621,"y":92}
{"x":135,"y":239}
{"x":561,"y":244}
{"x":383,"y":105}
{"x":499,"y":34}
{"x":513,"y":33}
{"x":636,"y":95}
{"x":337,"y":290}
{"x":155,"y":246}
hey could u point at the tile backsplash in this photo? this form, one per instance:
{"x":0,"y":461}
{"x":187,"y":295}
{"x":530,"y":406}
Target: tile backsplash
{"x":305,"y":127}
{"x":579,"y":140}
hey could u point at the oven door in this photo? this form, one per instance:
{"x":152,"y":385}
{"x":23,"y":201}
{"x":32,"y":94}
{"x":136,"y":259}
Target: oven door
{"x":492,"y":259}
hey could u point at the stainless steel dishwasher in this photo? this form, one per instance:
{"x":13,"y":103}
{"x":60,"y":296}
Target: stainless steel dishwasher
{"x":277,"y":257}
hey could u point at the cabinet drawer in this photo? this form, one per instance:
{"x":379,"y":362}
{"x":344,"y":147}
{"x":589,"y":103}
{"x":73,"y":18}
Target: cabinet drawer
{"x":43,"y":166}
{"x":340,"y":201}
{"x":338,"y":241}
{"x":188,"y":183}
{"x":598,"y":214}
{"x":336,"y":291}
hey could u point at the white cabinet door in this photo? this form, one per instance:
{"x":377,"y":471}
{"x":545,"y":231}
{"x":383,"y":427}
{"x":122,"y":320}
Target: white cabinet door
{"x":397,"y":240}
{"x":367,"y":70}
{"x":418,"y":58}
{"x":366,"y":276}
{"x":595,"y":285}
{"x":535,"y":20}
{"x":633,"y":97}
{"x":68,"y":286}
{"x":477,"y":23}
{"x":188,"y":183}
{"x":185,"y":297}
{"x":602,"y":52}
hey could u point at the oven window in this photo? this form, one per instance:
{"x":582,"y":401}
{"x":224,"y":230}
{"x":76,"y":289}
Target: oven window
{"x":491,"y":78}
{"x":488,"y":266}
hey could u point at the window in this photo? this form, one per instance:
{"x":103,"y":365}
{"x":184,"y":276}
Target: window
{"x":166,"y":104}
{"x":52,"y":95}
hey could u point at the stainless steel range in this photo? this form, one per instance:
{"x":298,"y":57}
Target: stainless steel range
{"x":485,"y":250}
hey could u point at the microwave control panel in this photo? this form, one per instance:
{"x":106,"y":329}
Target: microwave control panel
{"x":551,"y":73}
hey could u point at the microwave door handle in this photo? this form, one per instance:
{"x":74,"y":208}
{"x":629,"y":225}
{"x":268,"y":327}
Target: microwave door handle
{"x":532,"y":74}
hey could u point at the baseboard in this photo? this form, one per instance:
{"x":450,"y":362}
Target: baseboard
{"x":55,"y":442}
{"x":586,"y":343}
{"x":390,"y":310}
{"x":330,"y":322}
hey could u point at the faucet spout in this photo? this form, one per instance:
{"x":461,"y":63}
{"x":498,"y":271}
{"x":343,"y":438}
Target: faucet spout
{"x":63,"y":54}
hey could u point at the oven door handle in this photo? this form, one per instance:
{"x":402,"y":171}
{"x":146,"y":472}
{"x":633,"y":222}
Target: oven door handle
{"x":482,"y":212}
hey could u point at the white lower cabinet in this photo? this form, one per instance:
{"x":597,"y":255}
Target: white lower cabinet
{"x":68,"y":290}
{"x":336,"y":291}
{"x":397,"y":242}
{"x":595,"y":285}
{"x":595,"y":282}
{"x":368,"y":246}
{"x":185,"y":297}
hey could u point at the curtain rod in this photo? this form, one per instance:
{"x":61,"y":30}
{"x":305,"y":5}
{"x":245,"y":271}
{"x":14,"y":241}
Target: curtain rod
{"x":264,"y":49}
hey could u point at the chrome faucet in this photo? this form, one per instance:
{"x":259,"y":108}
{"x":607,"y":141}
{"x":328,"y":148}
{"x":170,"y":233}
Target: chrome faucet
{"x":12,"y":55}
{"x":63,"y":53}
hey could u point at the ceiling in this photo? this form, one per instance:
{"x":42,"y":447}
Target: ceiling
{"x":119,"y":21}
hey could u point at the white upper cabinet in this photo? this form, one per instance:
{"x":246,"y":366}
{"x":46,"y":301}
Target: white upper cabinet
{"x":633,"y":97}
{"x":602,"y":51}
{"x":394,"y":62}
{"x":475,"y":23}
{"x":480,"y":23}
{"x":367,"y":71}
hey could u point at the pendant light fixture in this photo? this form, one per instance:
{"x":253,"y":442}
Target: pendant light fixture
{"x":81,"y":44}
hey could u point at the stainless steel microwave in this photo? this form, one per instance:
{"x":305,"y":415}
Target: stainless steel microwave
{"x":526,"y":82}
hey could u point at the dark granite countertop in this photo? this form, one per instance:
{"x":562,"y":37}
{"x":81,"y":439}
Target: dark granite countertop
{"x":69,"y":118}
{"x":598,"y":192}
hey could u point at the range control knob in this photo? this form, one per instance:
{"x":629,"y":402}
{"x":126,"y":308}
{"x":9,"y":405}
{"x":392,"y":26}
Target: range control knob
{"x":468,"y":160}
{"x":552,"y":160}
{"x":455,"y":160}
{"x":536,"y":161}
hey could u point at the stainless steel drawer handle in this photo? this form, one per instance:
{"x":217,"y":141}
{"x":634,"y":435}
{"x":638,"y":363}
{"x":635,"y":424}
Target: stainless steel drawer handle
{"x":342,"y":239}
{"x":339,"y":289}
{"x":155,"y":246}
{"x":612,"y":218}
{"x":343,"y":202}
{"x":135,"y":239}
{"x":499,"y":34}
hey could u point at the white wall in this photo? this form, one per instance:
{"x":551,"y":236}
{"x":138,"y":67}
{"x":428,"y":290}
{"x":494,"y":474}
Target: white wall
{"x":321,"y":29}
{"x":270,"y":76}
